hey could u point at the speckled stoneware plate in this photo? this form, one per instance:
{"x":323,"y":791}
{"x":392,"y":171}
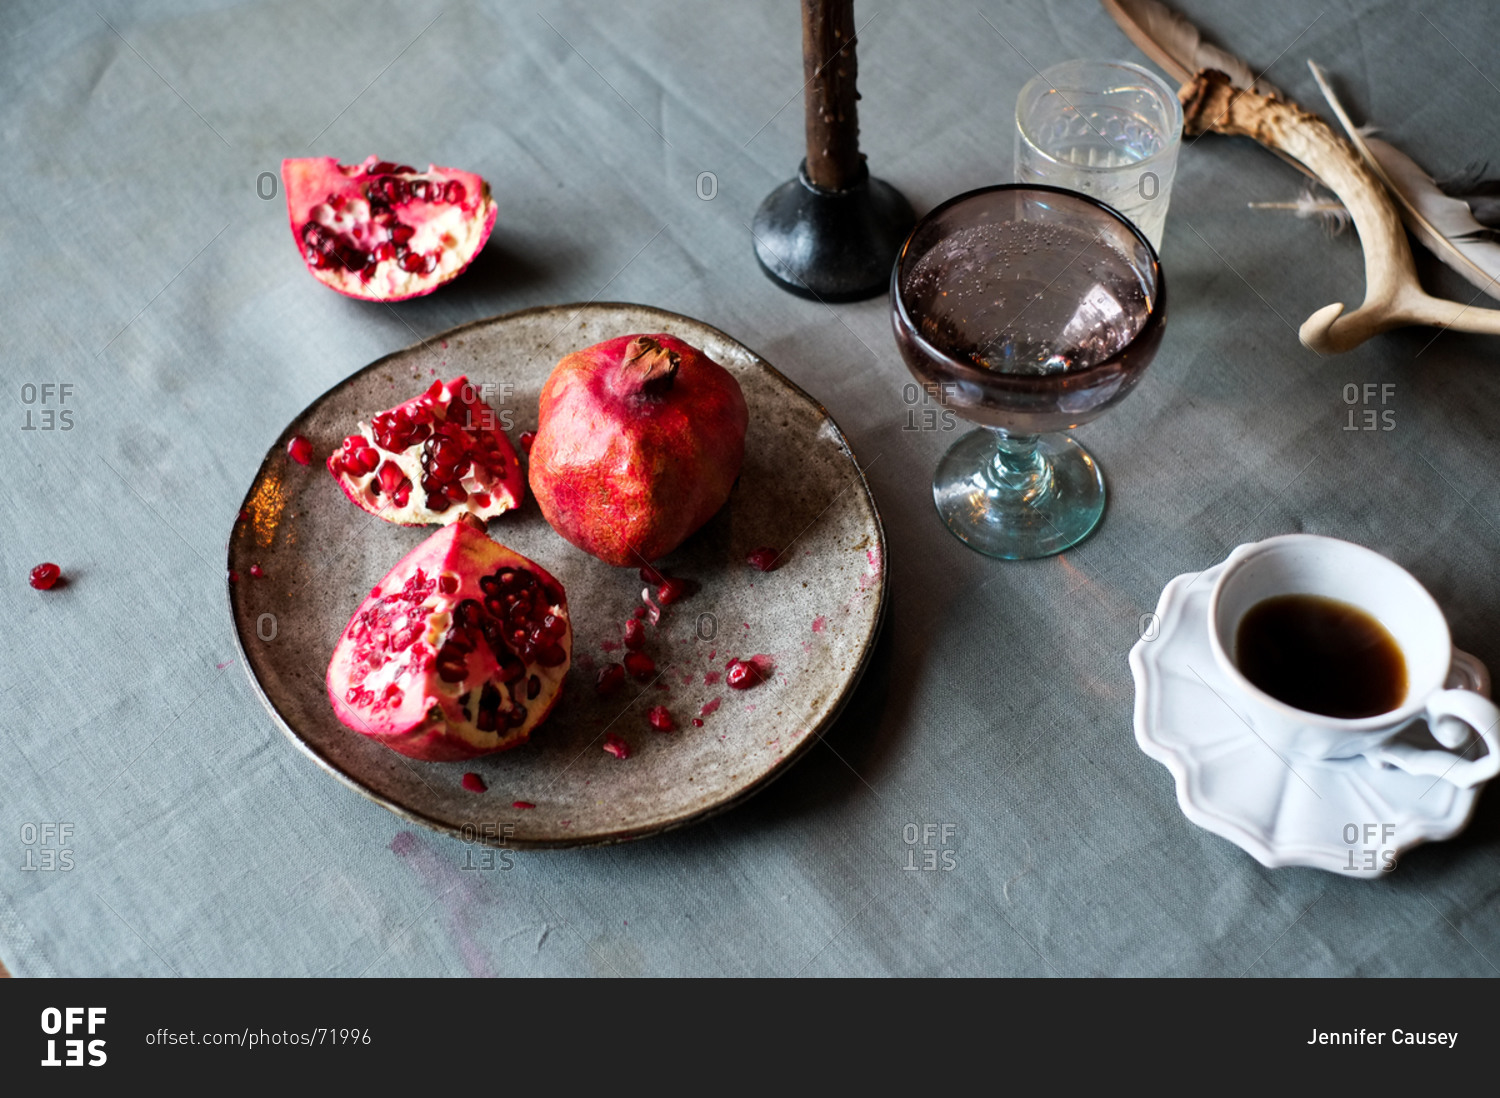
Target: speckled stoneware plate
{"x":816,"y":615}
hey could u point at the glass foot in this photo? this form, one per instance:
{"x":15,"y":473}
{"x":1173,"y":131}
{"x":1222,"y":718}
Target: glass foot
{"x":1018,"y":498}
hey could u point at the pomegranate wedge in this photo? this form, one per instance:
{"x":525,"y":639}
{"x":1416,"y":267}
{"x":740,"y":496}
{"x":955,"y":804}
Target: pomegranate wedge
{"x":428,"y":461}
{"x":380,"y":231}
{"x":461,"y":650}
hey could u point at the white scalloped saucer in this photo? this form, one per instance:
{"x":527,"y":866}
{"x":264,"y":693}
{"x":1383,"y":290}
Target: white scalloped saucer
{"x":1282,"y":810}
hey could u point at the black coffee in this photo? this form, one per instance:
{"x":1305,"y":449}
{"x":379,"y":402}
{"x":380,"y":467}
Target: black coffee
{"x":1321,"y":656}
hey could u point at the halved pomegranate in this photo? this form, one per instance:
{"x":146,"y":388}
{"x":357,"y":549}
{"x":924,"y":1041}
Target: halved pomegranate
{"x":461,"y":650}
{"x":438,"y":456}
{"x":380,"y":231}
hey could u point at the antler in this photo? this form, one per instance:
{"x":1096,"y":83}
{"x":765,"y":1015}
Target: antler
{"x":1393,"y":296}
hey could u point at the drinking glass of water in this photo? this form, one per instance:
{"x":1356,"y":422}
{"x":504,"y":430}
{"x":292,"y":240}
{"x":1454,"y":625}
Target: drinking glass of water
{"x":1107,"y":129}
{"x":1029,"y":310}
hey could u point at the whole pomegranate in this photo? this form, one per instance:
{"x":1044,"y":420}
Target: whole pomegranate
{"x":461,"y":650}
{"x":638,"y":443}
{"x":380,"y":231}
{"x":437,"y":456}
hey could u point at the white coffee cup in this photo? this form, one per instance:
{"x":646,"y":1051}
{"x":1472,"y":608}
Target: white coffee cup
{"x":1308,"y":564}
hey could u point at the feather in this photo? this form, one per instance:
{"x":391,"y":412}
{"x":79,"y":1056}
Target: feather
{"x":1481,"y":194}
{"x":1445,"y":225}
{"x":1332,"y":213}
{"x":1177,"y":46}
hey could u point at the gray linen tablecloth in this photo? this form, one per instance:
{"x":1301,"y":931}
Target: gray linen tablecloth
{"x":141,"y":268}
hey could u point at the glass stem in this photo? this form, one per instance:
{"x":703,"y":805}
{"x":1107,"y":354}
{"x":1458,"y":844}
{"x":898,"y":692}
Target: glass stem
{"x":1017,"y":469}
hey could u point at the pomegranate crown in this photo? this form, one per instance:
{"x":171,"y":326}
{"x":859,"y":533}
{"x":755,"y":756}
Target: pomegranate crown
{"x":648,"y":367}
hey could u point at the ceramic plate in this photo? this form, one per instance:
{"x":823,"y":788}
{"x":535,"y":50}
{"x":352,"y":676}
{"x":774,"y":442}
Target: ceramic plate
{"x":816,"y":615}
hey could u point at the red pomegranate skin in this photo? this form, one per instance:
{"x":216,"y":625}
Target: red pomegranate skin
{"x":638,"y":444}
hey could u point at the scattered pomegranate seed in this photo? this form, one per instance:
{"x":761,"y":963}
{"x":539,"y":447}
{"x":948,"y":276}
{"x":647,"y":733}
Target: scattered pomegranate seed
{"x":243,"y":516}
{"x":522,"y":804}
{"x":616,"y":746}
{"x":45,"y":576}
{"x":257,"y":571}
{"x":473,"y":783}
{"x":635,"y":635}
{"x":660,"y":719}
{"x":765,"y":558}
{"x":640,"y":665}
{"x":527,"y":438}
{"x":234,"y":577}
{"x":742,"y":675}
{"x":640,"y":612}
{"x":300,"y":449}
{"x":652,"y":576}
{"x":611,"y":678}
{"x":672,"y":590}
{"x":697,"y":722}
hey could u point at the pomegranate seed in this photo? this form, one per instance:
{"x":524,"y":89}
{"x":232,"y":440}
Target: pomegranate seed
{"x":300,"y":449}
{"x":413,"y":262}
{"x":640,"y":665}
{"x":765,"y":558}
{"x":697,"y":722}
{"x":234,"y":577}
{"x":522,"y":804}
{"x":391,"y":475}
{"x":635,"y":635}
{"x":453,"y":192}
{"x":652,"y":576}
{"x":673,"y":590}
{"x":45,"y":576}
{"x":616,"y":746}
{"x":257,"y":571}
{"x":742,"y":675}
{"x":611,"y":678}
{"x":640,"y":612}
{"x":473,"y":783}
{"x":660,"y":719}
{"x":447,"y":583}
{"x":402,"y":233}
{"x":527,"y":438}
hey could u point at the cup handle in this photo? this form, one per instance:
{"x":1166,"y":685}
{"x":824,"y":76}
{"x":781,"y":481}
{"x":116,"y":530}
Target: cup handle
{"x":1474,"y":710}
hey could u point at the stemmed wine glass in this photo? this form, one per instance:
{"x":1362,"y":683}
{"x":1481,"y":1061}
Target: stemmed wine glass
{"x":1030,"y":310}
